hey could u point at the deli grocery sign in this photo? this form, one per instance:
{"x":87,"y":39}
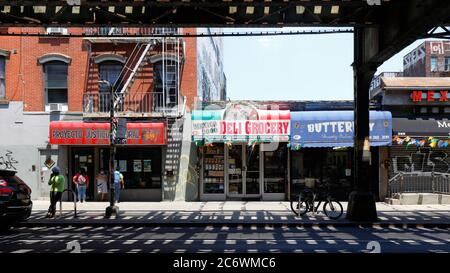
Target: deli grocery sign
{"x":86,"y":133}
{"x":241,"y":130}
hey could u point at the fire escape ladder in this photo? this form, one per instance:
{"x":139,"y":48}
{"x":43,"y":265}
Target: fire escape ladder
{"x":134,"y":64}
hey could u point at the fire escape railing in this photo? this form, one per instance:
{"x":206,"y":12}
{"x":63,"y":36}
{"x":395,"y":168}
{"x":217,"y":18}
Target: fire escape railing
{"x":153,"y":101}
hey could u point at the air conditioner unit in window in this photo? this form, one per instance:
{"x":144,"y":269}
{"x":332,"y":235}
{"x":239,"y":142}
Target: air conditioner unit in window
{"x":55,"y":107}
{"x":57,"y":30}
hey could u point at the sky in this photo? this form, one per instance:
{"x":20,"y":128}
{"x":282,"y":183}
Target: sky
{"x":296,"y":67}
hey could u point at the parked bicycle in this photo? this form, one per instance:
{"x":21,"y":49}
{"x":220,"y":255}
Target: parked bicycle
{"x":307,"y":199}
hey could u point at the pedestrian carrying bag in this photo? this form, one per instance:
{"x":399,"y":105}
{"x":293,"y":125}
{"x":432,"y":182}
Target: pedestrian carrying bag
{"x":81,"y":180}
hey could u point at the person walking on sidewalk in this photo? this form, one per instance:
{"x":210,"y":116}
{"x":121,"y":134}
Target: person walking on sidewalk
{"x":82,"y":182}
{"x":102,"y":185}
{"x":118,"y":184}
{"x":56,"y":182}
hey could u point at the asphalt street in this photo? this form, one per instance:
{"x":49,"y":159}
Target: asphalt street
{"x":223,"y":239}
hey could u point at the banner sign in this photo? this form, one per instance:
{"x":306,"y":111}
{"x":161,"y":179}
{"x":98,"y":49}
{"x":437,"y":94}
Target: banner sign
{"x":336,"y":129}
{"x":86,"y":133}
{"x":241,"y":130}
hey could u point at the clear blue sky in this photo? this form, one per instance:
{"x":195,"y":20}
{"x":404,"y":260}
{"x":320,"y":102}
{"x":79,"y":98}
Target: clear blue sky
{"x":300,"y":67}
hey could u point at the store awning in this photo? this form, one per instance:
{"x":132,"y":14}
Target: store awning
{"x":420,"y":127}
{"x":97,"y":133}
{"x":270,"y":126}
{"x":335,"y":129}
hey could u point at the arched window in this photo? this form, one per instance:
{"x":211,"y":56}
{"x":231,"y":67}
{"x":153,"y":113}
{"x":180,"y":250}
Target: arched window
{"x":2,"y":77}
{"x":55,"y":81}
{"x":165,"y":79}
{"x":110,"y":71}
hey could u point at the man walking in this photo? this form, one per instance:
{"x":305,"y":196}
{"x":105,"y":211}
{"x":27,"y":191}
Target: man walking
{"x":118,"y":184}
{"x":57,"y":187}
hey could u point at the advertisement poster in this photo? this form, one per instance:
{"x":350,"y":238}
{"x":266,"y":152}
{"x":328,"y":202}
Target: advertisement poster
{"x":122,"y":165}
{"x":147,"y":165}
{"x":137,"y":165}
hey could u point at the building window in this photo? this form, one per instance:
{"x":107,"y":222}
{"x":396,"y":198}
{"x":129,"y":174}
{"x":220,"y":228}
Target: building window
{"x":423,"y":110}
{"x":435,"y":110}
{"x":2,"y":78}
{"x":447,"y":110}
{"x":110,"y":71}
{"x":165,"y":78}
{"x":447,"y":64}
{"x":55,"y":76}
{"x":434,"y":63}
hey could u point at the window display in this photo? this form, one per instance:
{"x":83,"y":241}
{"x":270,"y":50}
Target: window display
{"x":141,"y":168}
{"x":275,"y":170}
{"x":213,"y":169}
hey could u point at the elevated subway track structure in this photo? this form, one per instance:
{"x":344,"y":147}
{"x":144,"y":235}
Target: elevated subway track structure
{"x":382,"y":28}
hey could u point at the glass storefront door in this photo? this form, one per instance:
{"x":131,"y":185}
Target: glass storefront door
{"x":252,"y":175}
{"x":243,"y":171}
{"x":235,"y":173}
{"x":83,"y":157}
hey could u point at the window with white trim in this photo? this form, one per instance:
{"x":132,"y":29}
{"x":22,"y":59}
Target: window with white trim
{"x":447,"y":63}
{"x":2,"y":77}
{"x":55,"y":78}
{"x":434,"y":64}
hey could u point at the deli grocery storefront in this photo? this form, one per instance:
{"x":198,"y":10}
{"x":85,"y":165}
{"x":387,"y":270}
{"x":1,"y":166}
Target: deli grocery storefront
{"x":321,"y":144}
{"x":270,"y":155}
{"x":243,"y":153}
{"x":140,"y":159}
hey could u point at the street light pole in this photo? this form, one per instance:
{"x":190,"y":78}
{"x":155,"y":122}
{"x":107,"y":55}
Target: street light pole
{"x":112,"y":209}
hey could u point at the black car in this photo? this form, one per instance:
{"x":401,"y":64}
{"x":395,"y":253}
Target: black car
{"x":15,"y":199}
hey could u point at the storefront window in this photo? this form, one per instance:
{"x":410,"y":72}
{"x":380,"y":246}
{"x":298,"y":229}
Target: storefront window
{"x":213,"y":169}
{"x":322,"y":166}
{"x":275,"y":170}
{"x":141,"y":168}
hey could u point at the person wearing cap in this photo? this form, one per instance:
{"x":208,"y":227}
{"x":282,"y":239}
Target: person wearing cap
{"x":56,"y":183}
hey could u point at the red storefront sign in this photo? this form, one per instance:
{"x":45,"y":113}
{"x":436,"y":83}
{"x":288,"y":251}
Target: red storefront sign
{"x":430,"y":96}
{"x":85,"y":133}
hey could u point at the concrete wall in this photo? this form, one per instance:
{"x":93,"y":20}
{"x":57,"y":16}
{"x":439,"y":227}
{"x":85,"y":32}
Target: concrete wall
{"x":24,"y":145}
{"x":188,"y":189}
{"x":180,"y":160}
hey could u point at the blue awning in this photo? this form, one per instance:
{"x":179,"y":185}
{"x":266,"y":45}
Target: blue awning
{"x":335,"y":129}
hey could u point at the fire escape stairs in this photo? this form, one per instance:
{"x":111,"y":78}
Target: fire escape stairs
{"x":135,"y":63}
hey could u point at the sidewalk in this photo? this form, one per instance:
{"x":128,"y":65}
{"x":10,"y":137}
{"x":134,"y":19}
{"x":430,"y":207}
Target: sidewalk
{"x":228,"y":213}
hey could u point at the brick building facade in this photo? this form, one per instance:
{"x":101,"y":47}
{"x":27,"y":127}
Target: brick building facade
{"x":56,"y":80}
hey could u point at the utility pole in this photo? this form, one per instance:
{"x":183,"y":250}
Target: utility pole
{"x":112,"y":209}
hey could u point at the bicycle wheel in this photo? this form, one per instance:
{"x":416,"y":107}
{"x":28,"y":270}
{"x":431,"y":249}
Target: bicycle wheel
{"x":333,"y":209}
{"x":297,"y":207}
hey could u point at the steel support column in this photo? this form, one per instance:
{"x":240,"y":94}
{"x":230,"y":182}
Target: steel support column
{"x":361,"y":205}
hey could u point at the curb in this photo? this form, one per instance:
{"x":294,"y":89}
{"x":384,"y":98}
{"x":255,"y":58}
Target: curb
{"x":114,"y":222}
